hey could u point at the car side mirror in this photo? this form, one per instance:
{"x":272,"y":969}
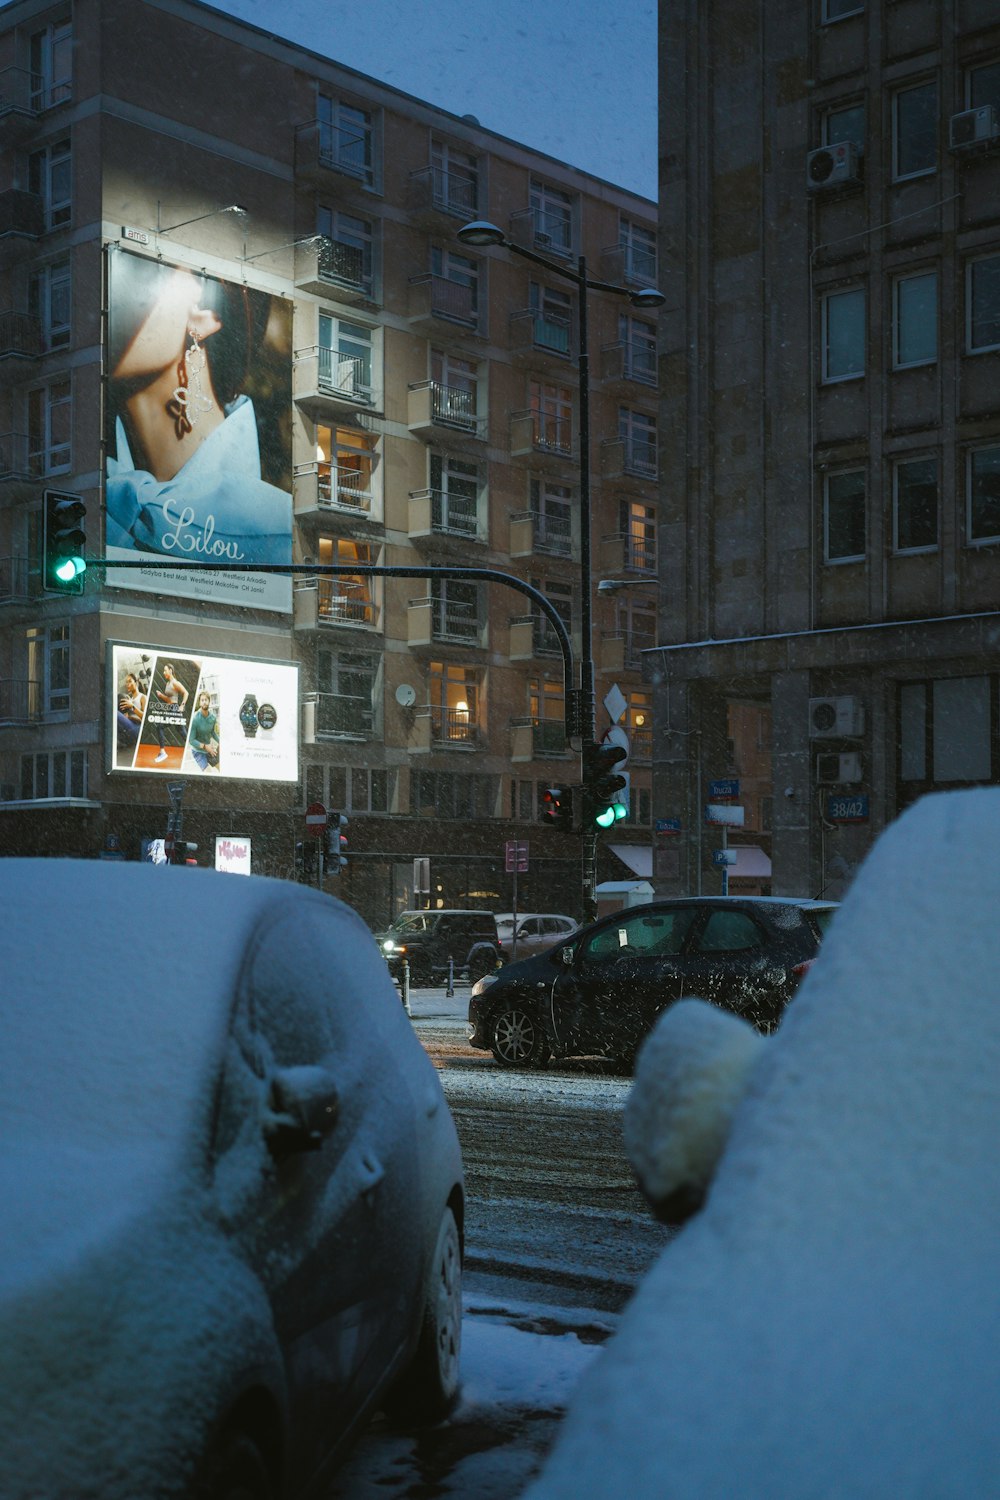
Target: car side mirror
{"x":302,"y":1108}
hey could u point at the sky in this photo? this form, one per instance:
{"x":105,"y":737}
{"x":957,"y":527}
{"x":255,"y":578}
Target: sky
{"x":553,"y":76}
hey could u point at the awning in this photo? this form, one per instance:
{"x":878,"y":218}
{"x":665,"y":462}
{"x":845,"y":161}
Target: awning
{"x":636,"y":857}
{"x":751,"y":863}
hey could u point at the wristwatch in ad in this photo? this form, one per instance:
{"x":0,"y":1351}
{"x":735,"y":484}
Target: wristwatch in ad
{"x":267,"y":717}
{"x":248,"y":715}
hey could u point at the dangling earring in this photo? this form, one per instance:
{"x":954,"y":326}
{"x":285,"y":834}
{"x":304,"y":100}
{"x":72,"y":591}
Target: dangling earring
{"x":189,"y":400}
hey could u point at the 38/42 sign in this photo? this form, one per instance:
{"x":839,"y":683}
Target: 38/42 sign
{"x":843,"y":809}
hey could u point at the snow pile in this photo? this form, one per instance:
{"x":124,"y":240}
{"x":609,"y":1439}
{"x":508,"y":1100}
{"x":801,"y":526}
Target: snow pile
{"x":827,"y":1325}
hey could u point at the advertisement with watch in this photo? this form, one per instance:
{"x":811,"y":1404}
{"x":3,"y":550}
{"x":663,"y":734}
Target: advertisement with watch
{"x":181,"y":713}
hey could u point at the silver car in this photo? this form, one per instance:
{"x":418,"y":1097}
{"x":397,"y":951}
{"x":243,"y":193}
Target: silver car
{"x":536,"y":931}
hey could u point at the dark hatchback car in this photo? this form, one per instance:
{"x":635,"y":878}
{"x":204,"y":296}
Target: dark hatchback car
{"x":598,"y":992}
{"x":432,"y":941}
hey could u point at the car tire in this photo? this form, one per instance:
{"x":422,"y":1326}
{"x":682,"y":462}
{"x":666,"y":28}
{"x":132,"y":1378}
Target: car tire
{"x":428,"y":1389}
{"x":518,"y":1038}
{"x":234,"y":1469}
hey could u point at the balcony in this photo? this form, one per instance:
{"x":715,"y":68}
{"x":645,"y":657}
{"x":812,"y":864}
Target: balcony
{"x":326,"y":383}
{"x":15,"y":467}
{"x":438,"y":513}
{"x":455,"y":728}
{"x":329,"y":268}
{"x":640,"y":744}
{"x":19,"y":106}
{"x":319,"y":489}
{"x":443,"y":412}
{"x":431,"y":622}
{"x":20,"y":701}
{"x":552,"y":234}
{"x":623,"y":552}
{"x":438,"y":300}
{"x":539,"y":341}
{"x":628,"y":459}
{"x":436,"y":197}
{"x":22,"y":220}
{"x":624,"y":365}
{"x":20,"y":345}
{"x":547,"y":440}
{"x":621,"y":650}
{"x":325,"y":152}
{"x":336,"y":716}
{"x":532,"y":636}
{"x":14,"y":580}
{"x":322,"y":603}
{"x":631,"y":264}
{"x":538,"y":739}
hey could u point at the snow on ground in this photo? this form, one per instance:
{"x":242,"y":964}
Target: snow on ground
{"x":520,"y":1363}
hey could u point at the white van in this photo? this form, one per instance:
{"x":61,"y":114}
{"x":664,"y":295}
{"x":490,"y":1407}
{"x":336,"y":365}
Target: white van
{"x":536,"y":931}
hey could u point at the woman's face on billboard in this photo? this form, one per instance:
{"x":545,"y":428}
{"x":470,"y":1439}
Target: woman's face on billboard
{"x":159,"y":340}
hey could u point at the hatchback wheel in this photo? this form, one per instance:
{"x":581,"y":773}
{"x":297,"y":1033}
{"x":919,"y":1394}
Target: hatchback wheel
{"x":234,"y":1470}
{"x":429,"y":1388}
{"x":518,"y":1039}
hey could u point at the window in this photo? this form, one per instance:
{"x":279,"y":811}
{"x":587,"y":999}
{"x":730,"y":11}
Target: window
{"x":552,"y":312}
{"x":443,"y":794}
{"x":371,"y":790}
{"x":345,"y":462}
{"x":552,"y":215}
{"x":48,"y":653}
{"x":55,"y":773}
{"x":552,"y":416}
{"x":349,"y":258}
{"x":983,"y":304}
{"x":456,"y":390}
{"x":455,"y":692}
{"x":914,"y":323}
{"x":345,"y":358}
{"x":638,"y":528}
{"x":456,"y":179}
{"x":455,"y":486}
{"x":914,"y":130}
{"x":639,"y":340}
{"x":844,"y":334}
{"x":560,"y":595}
{"x":346,"y":138}
{"x":844,"y":516}
{"x":50,"y":177}
{"x":730,"y":932}
{"x":983,"y":488}
{"x":983,"y":86}
{"x":845,"y":124}
{"x":915,"y":505}
{"x":639,"y":244}
{"x":348,"y":693}
{"x":346,"y":598}
{"x":638,"y":724}
{"x":50,"y":302}
{"x":455,"y":610}
{"x":547,"y":707}
{"x":638,"y":433}
{"x":947,"y":733}
{"x":551,"y":512}
{"x":51,"y":64}
{"x":836,"y":10}
{"x":50,"y":420}
{"x":455,"y":286}
{"x":636,"y":624}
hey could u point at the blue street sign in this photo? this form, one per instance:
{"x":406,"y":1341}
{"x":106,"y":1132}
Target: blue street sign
{"x":668,"y":825}
{"x":724,"y":856}
{"x":724,"y":791}
{"x":847,"y":809}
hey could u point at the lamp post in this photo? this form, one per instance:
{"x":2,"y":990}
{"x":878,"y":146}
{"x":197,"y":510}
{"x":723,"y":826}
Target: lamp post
{"x":480,"y":232}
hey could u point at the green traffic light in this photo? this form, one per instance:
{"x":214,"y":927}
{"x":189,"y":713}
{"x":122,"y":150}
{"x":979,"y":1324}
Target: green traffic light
{"x":606,"y":817}
{"x":70,"y":568}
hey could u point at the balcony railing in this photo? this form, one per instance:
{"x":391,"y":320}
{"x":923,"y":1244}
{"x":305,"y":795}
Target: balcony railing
{"x":454,"y":726}
{"x":545,"y":642}
{"x":641,"y":743}
{"x":454,"y":621}
{"x":14,"y":462}
{"x":343,"y":149}
{"x":344,"y":375}
{"x":441,"y":297}
{"x":452,"y":406}
{"x":636,"y":642}
{"x":343,"y":263}
{"x":640,"y":364}
{"x":548,"y":737}
{"x":640,"y":458}
{"x":13,"y":580}
{"x":454,"y":191}
{"x":20,"y":701}
{"x":552,"y":434}
{"x":20,"y":335}
{"x":339,"y":715}
{"x":348,"y":487}
{"x":458,"y":514}
{"x":342,"y":603}
{"x":21,"y":214}
{"x":552,"y":534}
{"x":17,"y":95}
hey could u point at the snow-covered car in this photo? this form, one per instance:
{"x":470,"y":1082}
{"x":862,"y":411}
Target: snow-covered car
{"x":826,"y":1323}
{"x":232,"y":1189}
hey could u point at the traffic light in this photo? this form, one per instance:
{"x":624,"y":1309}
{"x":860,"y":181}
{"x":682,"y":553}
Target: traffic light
{"x":336,"y":843}
{"x":184,"y":852}
{"x":63,"y":542}
{"x":602,"y":785}
{"x":556,"y":808}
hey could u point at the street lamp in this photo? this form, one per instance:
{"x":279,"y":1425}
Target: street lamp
{"x":230,"y":208}
{"x":482,"y":233}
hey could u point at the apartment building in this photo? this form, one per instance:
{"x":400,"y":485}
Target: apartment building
{"x":829,"y":544}
{"x":237,"y":321}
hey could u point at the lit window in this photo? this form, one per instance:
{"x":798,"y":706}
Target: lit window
{"x":844,"y":335}
{"x":914,"y":328}
{"x":844,"y":516}
{"x":914,"y":130}
{"x":915,"y":505}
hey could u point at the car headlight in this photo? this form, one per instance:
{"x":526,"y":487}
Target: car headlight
{"x":388,"y":945}
{"x":482,"y":985}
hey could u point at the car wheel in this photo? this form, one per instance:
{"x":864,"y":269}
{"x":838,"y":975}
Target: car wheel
{"x":429,"y":1388}
{"x":518,"y":1039}
{"x":234,"y":1469}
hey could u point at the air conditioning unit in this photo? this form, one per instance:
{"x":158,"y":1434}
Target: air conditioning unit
{"x":833,"y":769}
{"x":836,"y":718}
{"x":973,"y":127}
{"x":833,"y":167}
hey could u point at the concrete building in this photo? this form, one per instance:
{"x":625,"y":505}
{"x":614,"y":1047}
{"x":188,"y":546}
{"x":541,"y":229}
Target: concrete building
{"x":830,"y":517}
{"x":237,"y":321}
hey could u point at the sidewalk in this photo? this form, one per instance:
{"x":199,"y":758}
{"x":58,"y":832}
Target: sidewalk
{"x":435,"y":1004}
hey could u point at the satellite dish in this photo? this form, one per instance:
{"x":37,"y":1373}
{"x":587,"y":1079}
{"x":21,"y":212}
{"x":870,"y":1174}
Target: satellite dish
{"x":405,"y":695}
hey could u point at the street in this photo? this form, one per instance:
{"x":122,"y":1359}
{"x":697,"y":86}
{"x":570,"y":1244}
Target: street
{"x":557,"y":1236}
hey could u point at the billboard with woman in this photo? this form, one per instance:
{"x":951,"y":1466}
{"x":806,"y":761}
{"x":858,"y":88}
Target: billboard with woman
{"x":198,"y":439}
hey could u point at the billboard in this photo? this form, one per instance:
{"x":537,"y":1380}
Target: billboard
{"x":176,"y":713}
{"x":199,"y":431}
